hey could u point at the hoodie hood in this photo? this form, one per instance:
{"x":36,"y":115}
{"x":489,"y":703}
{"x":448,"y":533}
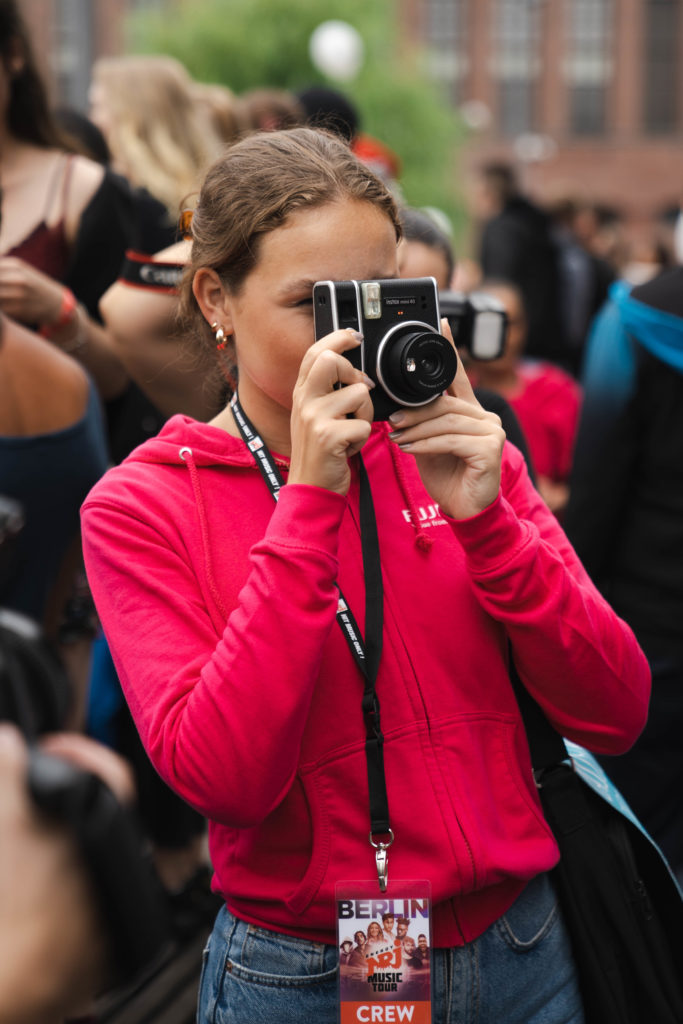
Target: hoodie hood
{"x":658,"y":331}
{"x":208,"y":446}
{"x":186,"y":441}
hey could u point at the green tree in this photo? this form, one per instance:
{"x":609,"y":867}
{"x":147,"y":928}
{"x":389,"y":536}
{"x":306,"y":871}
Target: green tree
{"x":254,"y":43}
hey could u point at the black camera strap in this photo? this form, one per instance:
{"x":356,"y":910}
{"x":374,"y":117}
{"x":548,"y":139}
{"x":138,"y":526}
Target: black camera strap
{"x":366,"y":653}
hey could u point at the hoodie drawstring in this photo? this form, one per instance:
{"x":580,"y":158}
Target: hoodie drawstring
{"x":422,"y":540}
{"x":187,"y":457}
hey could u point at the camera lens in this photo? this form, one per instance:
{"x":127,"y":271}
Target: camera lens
{"x":415,"y":364}
{"x":431,"y":366}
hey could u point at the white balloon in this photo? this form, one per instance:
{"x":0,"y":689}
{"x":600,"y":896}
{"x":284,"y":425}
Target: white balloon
{"x":336,"y":49}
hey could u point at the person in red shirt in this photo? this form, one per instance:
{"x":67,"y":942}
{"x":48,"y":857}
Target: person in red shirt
{"x":546,"y":399}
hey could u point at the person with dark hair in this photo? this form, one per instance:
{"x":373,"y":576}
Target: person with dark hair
{"x":333,"y":111}
{"x":425,"y":250}
{"x":66,"y":221}
{"x":345,"y":952}
{"x":218,"y":586}
{"x":358,"y":958}
{"x":584,"y":280}
{"x":517,"y":245}
{"x":82,"y":135}
{"x":329,"y":109}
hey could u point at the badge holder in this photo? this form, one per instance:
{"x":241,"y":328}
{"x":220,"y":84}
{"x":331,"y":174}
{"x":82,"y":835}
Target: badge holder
{"x":384,"y":952}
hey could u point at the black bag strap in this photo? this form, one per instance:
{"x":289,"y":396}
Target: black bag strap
{"x":546,"y":746}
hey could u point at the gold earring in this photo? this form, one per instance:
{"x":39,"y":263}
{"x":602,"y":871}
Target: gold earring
{"x":221,"y":337}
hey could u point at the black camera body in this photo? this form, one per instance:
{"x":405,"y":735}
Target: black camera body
{"x":402,"y":350}
{"x":478,"y":323}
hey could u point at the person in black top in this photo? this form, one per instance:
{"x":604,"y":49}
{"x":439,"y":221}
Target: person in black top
{"x":625,"y":519}
{"x":517,"y":245}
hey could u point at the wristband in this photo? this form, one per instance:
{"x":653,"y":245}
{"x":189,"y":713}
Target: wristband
{"x":65,"y":315}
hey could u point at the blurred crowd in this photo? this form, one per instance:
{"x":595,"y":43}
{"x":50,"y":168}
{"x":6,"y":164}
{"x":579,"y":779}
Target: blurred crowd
{"x":94,"y":213}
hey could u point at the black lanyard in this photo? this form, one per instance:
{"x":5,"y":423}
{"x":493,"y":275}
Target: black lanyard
{"x":368,"y":653}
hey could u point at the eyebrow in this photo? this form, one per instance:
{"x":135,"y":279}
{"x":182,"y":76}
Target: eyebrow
{"x":302,"y":286}
{"x":305,"y":285}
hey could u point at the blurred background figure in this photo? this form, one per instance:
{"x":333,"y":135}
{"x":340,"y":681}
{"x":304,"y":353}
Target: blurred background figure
{"x":425,"y":249}
{"x":54,"y":957}
{"x":517,"y":245}
{"x":82,"y":135}
{"x":625,"y":519}
{"x":161,"y":134}
{"x":544,"y":397}
{"x":266,"y":110}
{"x":599,"y":228}
{"x":645,"y":257}
{"x":325,"y":107}
{"x":66,"y":220}
{"x":52,"y":452}
{"x":584,"y":279}
{"x":223,"y":109}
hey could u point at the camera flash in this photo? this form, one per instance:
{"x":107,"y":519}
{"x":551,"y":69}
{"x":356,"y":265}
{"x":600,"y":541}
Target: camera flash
{"x":372,"y":300}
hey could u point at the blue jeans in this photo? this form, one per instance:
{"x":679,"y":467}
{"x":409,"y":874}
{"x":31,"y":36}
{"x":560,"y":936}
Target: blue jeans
{"x":520,"y":971}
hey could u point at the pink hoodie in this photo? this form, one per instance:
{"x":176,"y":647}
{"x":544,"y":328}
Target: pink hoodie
{"x":219,"y":606}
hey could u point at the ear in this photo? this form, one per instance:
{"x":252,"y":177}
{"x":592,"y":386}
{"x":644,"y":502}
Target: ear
{"x":213,"y":298}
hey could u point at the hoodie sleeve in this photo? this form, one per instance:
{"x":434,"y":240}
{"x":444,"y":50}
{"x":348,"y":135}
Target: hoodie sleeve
{"x":576,"y":657}
{"x":211,"y":704}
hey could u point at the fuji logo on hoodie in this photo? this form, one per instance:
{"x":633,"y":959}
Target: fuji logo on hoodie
{"x":429,"y":516}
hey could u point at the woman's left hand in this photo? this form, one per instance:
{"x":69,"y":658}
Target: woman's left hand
{"x":458,"y":446}
{"x":28,"y":295}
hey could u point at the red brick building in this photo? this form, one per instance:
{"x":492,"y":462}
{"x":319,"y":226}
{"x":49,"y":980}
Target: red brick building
{"x":68,"y":35}
{"x":586,"y":94}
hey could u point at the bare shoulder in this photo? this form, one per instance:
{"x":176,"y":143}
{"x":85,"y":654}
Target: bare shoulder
{"x":179,"y":252}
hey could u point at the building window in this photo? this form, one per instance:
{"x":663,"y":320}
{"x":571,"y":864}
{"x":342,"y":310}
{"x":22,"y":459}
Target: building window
{"x":444,"y":31}
{"x":72,"y":51}
{"x":589,"y":64}
{"x":516,"y":63}
{"x":662,"y":78}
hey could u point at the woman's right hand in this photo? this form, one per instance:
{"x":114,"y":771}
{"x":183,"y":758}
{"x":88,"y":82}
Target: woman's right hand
{"x":28,"y":295}
{"x":329,"y":423}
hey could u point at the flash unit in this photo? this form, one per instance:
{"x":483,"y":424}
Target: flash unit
{"x":372,"y":300}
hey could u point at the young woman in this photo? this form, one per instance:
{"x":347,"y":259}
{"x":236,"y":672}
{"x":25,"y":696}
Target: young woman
{"x":220,"y":606}
{"x":376,"y":938}
{"x":66,"y":221}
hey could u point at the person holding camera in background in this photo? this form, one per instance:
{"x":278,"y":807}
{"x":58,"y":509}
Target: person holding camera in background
{"x":220,"y":603}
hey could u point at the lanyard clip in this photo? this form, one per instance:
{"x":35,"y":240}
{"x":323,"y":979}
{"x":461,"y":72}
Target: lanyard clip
{"x":382,"y":859}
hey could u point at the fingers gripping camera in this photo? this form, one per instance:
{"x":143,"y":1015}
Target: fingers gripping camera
{"x":402,"y":350}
